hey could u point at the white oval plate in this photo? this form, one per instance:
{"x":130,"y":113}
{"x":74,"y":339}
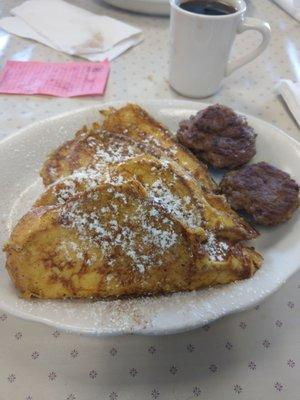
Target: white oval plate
{"x":154,"y":7}
{"x":21,"y":156}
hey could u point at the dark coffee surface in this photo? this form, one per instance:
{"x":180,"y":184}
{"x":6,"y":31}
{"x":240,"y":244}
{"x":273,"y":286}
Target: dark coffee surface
{"x":207,"y":7}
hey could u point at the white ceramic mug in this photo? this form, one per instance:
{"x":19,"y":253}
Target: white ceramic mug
{"x":200,"y":47}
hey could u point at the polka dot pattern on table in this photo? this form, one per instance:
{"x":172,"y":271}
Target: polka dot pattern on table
{"x":254,"y":354}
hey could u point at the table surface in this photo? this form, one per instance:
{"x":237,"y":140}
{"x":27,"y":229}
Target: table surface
{"x":250,"y":355}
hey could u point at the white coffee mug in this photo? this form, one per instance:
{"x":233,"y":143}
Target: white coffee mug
{"x":200,"y":47}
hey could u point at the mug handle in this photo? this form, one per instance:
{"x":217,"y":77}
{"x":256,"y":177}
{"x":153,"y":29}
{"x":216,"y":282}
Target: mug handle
{"x":256,"y":25}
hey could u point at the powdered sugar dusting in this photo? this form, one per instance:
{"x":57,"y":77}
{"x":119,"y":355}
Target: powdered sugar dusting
{"x":120,"y":235}
{"x":83,"y":179}
{"x":161,"y":191}
{"x":175,"y":205}
{"x":115,"y":152}
{"x":215,"y":248}
{"x":112,"y":236}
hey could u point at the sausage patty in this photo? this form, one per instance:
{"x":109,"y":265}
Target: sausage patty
{"x":218,"y":136}
{"x":265,"y":192}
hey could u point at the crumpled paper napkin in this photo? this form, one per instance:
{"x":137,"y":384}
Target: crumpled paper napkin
{"x":71,"y":29}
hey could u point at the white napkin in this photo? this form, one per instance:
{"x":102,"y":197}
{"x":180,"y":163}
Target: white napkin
{"x":290,"y":92}
{"x":71,"y":29}
{"x":290,"y":6}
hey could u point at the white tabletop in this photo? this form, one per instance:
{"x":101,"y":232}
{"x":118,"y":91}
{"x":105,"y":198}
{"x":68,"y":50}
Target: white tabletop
{"x":250,"y":355}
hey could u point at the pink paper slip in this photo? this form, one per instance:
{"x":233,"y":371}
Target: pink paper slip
{"x":67,"y":79}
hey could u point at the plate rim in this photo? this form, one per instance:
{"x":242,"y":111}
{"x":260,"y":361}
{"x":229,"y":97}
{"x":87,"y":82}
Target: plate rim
{"x":140,"y":331}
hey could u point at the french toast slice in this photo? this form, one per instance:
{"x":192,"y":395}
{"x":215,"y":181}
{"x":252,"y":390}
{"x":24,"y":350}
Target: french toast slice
{"x":114,"y":240}
{"x":168,"y":185}
{"x":124,"y":133}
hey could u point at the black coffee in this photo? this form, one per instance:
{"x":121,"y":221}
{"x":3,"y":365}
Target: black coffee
{"x":207,"y":7}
